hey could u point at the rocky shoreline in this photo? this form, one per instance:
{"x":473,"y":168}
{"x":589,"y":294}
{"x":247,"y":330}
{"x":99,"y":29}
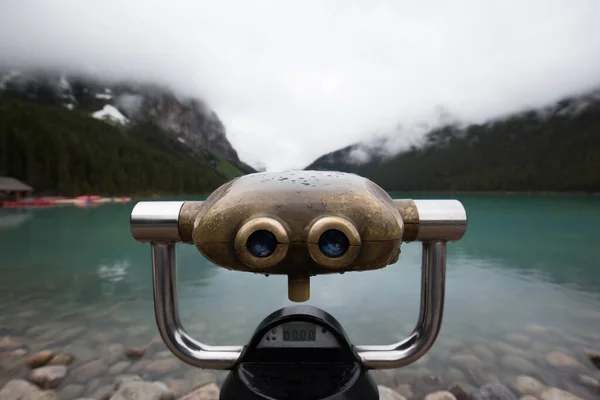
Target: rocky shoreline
{"x":65,"y":357}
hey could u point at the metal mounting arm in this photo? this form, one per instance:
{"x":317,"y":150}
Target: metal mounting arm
{"x":439,"y":221}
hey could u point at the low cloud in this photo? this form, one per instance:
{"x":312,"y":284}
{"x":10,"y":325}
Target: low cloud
{"x":292,"y":81}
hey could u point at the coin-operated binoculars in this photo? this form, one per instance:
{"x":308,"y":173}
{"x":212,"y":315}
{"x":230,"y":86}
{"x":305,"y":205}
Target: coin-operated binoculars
{"x":300,"y":224}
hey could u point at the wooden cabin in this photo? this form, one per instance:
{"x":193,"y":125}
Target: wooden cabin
{"x":13,"y":190}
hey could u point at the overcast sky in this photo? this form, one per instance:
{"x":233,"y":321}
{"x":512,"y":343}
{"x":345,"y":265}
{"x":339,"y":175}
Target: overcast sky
{"x":294,"y":80}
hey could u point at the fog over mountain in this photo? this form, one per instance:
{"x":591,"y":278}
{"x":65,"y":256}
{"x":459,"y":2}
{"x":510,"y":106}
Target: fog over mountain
{"x":291,"y":82}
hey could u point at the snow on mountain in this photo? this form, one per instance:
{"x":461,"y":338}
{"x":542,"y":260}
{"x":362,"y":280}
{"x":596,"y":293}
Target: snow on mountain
{"x":110,"y":113}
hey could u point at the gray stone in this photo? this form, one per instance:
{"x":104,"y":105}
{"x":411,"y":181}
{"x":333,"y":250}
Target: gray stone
{"x":405,"y":390}
{"x":536,"y":328}
{"x":89,"y":370}
{"x":561,"y":360}
{"x":111,"y":353}
{"x":199,"y":377}
{"x":594,"y":357}
{"x":103,"y":392}
{"x":478,"y":376}
{"x":527,"y":385}
{"x":70,"y":333}
{"x":441,"y":395}
{"x":461,"y":391}
{"x":17,"y":389}
{"x":517,"y":364}
{"x":387,"y":377}
{"x":48,"y":377}
{"x":485,"y":354}
{"x":8,"y":343}
{"x":557,"y":394}
{"x":137,"y":330}
{"x":71,"y":391}
{"x":163,"y":354}
{"x":135,"y":353}
{"x":385,"y":393}
{"x":493,"y":391}
{"x":135,"y":390}
{"x":589,"y":382}
{"x":39,"y":359}
{"x":82,"y":352}
{"x":208,"y":392}
{"x":61,"y":359}
{"x":119,"y":368}
{"x":163,"y":366}
{"x":506,"y":348}
{"x":139,"y":366}
{"x":518,"y":339}
{"x":179,"y":386}
{"x":123,"y":379}
{"x":41,"y":395}
{"x":93,"y":384}
{"x":467,"y":361}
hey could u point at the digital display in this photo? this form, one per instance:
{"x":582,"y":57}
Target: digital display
{"x":299,"y":332}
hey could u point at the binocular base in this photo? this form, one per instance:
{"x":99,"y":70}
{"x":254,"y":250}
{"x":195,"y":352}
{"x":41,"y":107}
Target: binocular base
{"x":299,"y":353}
{"x":299,"y":382}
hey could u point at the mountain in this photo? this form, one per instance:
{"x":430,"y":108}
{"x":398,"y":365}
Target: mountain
{"x":75,"y":111}
{"x":554,"y":148}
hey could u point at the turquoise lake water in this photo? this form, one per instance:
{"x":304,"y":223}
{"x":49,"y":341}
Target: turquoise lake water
{"x":528,"y":265}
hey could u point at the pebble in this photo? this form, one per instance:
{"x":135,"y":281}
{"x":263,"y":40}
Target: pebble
{"x":562,"y":360}
{"x":517,"y":364}
{"x":70,"y":333}
{"x":442,"y":395}
{"x":61,"y":359}
{"x":385,"y":393}
{"x":208,"y":392}
{"x":454,"y":375}
{"x":119,"y":368}
{"x":557,"y":394}
{"x":135,"y":353}
{"x":594,"y":357}
{"x":81,"y":351}
{"x":48,"y":377}
{"x":589,"y":382}
{"x":478,"y":376}
{"x":103,"y":392}
{"x":536,"y":328}
{"x":122,"y":379}
{"x":139,"y":366}
{"x":90,"y":370}
{"x":71,"y":391}
{"x":527,"y":385}
{"x":405,"y":390}
{"x":39,"y":359}
{"x":135,"y":390}
{"x":518,"y":339}
{"x":8,"y":343}
{"x":178,"y":386}
{"x":493,"y":391}
{"x":461,"y":391}
{"x":502,"y":347}
{"x":485,"y":354}
{"x":111,"y":353}
{"x":467,"y":361}
{"x":137,"y":330}
{"x":162,"y":366}
{"x":17,"y":389}
{"x":528,"y":397}
{"x":163,"y":354}
{"x":199,"y":377}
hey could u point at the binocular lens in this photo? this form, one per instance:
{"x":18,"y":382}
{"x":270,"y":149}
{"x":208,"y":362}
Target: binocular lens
{"x":333,"y":243}
{"x":261,"y":243}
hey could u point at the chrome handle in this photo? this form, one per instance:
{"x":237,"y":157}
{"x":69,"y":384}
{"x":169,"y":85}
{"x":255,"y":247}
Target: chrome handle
{"x":158,"y":223}
{"x":439,"y":221}
{"x":409,"y":350}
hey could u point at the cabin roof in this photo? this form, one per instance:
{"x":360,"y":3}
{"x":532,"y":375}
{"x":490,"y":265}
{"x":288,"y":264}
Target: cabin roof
{"x":13,"y":185}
